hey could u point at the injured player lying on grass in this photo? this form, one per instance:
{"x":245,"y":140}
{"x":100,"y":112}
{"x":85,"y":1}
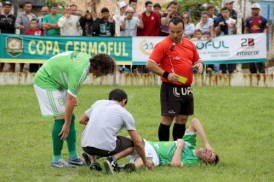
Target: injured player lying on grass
{"x":178,"y":153}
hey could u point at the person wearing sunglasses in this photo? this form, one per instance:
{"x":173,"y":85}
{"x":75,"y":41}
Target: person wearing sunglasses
{"x":189,"y":27}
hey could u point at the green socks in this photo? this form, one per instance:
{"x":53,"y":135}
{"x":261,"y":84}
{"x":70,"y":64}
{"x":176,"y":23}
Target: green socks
{"x":58,"y":143}
{"x":71,"y":140}
{"x":56,"y":140}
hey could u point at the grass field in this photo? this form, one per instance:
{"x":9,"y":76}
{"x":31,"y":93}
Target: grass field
{"x":238,"y":122}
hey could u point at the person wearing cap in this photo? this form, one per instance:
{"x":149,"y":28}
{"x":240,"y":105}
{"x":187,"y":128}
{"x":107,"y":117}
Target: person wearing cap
{"x":157,"y":9}
{"x":123,"y":7}
{"x":151,"y":21}
{"x":129,"y":26}
{"x":104,"y":25}
{"x":256,"y":24}
{"x":7,"y":22}
{"x":171,"y":12}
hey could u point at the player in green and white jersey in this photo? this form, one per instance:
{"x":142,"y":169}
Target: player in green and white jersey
{"x":181,"y":152}
{"x":57,"y":84}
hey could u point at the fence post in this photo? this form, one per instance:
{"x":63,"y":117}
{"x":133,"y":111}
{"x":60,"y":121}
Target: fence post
{"x":239,"y":29}
{"x":268,"y":20}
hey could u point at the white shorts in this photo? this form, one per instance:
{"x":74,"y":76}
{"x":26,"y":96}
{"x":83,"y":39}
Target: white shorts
{"x":52,"y":102}
{"x":150,"y":154}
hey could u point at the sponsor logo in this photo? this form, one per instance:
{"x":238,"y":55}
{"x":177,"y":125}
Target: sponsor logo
{"x":152,"y":18}
{"x":14,"y":46}
{"x":176,"y":58}
{"x":214,"y":44}
{"x":171,"y":112}
{"x":247,"y":42}
{"x":146,"y":47}
{"x":247,"y":53}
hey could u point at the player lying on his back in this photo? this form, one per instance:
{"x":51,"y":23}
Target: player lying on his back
{"x":178,"y":153}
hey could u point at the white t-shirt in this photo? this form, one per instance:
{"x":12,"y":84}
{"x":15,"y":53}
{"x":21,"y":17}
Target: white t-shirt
{"x":106,"y":119}
{"x":206,"y":27}
{"x":131,"y":27}
{"x":69,"y":26}
{"x":230,"y":27}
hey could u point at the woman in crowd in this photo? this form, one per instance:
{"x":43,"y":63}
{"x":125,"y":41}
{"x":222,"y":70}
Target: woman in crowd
{"x":206,"y":25}
{"x":189,"y":27}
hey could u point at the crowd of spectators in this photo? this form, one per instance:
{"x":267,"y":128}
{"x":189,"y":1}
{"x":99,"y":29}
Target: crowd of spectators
{"x":150,"y":22}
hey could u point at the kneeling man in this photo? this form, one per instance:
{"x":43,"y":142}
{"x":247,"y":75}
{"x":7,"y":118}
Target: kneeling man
{"x":104,"y":120}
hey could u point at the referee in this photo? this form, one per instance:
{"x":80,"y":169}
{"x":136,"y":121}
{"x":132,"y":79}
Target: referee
{"x":176,"y":57}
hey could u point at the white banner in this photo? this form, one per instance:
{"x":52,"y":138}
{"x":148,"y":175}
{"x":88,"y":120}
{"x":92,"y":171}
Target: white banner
{"x":243,"y":48}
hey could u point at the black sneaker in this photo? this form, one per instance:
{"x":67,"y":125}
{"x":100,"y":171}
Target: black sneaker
{"x":95,"y":166}
{"x":111,"y":165}
{"x":129,"y":167}
{"x":86,"y":157}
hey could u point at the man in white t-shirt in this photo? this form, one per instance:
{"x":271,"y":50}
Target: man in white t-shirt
{"x":69,"y":24}
{"x":123,"y":7}
{"x":130,"y":23}
{"x":133,"y":4}
{"x":104,"y":120}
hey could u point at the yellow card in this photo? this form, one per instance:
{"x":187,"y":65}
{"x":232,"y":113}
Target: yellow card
{"x":182,"y":79}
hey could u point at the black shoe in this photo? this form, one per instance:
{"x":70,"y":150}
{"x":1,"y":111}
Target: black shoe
{"x":111,"y":165}
{"x":95,"y":166}
{"x":129,"y":167}
{"x":262,"y":71}
{"x":86,"y":157}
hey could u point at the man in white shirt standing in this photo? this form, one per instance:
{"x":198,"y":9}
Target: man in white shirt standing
{"x":123,"y":7}
{"x":104,"y":120}
{"x":69,"y":24}
{"x":130,"y":23}
{"x":133,"y":4}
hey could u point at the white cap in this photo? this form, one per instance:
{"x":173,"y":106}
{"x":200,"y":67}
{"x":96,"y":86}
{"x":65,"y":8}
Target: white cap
{"x":255,"y":5}
{"x":122,"y":4}
{"x":129,"y":9}
{"x":228,"y":1}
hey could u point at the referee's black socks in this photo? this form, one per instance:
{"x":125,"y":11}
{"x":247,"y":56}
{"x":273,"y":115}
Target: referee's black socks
{"x":178,"y":131}
{"x":163,"y":132}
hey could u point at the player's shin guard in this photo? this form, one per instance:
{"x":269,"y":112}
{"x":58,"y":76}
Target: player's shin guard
{"x":56,"y":140}
{"x":178,"y":131}
{"x":163,"y":132}
{"x":71,"y":140}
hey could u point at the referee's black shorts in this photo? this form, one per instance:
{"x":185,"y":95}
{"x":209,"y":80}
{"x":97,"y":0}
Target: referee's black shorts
{"x":176,"y":100}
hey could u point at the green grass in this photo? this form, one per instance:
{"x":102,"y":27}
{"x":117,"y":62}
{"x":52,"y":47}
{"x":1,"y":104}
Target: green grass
{"x":238,"y":122}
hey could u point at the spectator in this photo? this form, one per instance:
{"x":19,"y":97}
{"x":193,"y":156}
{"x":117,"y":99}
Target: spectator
{"x":69,"y":24}
{"x":1,"y":7}
{"x":206,"y":25}
{"x":198,"y":35}
{"x":104,"y":25}
{"x":73,"y":9}
{"x":45,"y":11}
{"x":225,"y":26}
{"x":23,"y":22}
{"x":123,"y":7}
{"x":50,"y":21}
{"x":189,"y":27}
{"x":7,"y":22}
{"x":129,"y":28}
{"x":34,"y":30}
{"x":210,"y":9}
{"x":171,"y":12}
{"x":86,"y":24}
{"x":130,"y":23}
{"x":157,"y":9}
{"x":151,"y":21}
{"x":233,"y":13}
{"x":133,"y":4}
{"x":256,"y":24}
